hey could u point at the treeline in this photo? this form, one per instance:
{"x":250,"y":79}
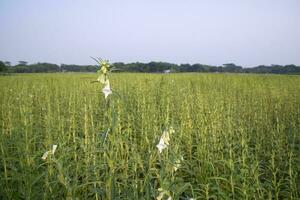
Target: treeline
{"x":151,"y":67}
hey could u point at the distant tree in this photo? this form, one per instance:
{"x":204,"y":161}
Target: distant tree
{"x":231,"y":67}
{"x":151,"y":67}
{"x":78,"y":68}
{"x":23,"y":63}
{"x":291,"y":69}
{"x":7,"y":63}
{"x":43,"y":67}
{"x":185,"y":68}
{"x":3,"y":67}
{"x":261,"y":69}
{"x":119,"y":66}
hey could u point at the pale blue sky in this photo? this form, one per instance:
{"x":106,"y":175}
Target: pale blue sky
{"x":246,"y":32}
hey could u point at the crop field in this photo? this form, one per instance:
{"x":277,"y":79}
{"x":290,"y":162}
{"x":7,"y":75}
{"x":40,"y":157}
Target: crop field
{"x":226,"y":136}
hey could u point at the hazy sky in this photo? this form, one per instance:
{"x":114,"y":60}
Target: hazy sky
{"x":246,"y":32}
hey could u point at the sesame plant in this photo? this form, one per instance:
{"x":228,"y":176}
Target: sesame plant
{"x":149,"y":136}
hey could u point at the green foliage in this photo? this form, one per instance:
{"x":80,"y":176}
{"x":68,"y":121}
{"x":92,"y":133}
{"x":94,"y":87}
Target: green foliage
{"x":153,"y":67}
{"x":3,"y":67}
{"x":78,"y":68}
{"x":238,"y":136}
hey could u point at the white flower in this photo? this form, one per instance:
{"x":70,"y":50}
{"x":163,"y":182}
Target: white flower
{"x":177,"y":164}
{"x":46,"y":154}
{"x":101,"y":78}
{"x":162,"y":193}
{"x":171,"y":130}
{"x":161,"y":145}
{"x":164,"y":139}
{"x":160,"y":196}
{"x":54,"y":147}
{"x":106,"y":90}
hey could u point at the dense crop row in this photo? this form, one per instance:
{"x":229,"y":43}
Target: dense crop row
{"x":235,"y":137}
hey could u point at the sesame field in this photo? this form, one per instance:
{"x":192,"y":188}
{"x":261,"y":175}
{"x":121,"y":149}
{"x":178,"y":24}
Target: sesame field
{"x":155,"y":136}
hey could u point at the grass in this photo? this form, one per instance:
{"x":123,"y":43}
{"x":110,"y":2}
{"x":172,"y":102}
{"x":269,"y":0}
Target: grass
{"x":238,"y":135}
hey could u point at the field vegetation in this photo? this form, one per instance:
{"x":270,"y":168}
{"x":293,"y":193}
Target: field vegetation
{"x":227,"y":136}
